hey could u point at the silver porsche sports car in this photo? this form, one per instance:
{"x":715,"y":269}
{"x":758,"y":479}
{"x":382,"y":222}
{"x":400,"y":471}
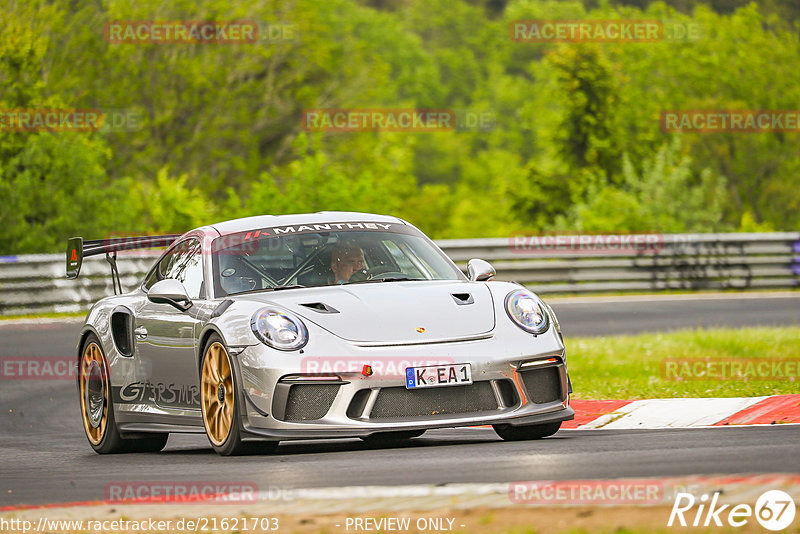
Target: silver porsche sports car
{"x":323,"y":325}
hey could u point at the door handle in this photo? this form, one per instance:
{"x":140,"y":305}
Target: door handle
{"x":141,"y":332}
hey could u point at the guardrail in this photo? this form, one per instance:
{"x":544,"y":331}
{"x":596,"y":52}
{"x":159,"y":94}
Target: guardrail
{"x":547,"y":264}
{"x":652,"y":262}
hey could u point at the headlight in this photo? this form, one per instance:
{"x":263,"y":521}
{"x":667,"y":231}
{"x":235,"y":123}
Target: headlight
{"x":279,"y":329}
{"x":527,"y":311}
{"x":554,"y":317}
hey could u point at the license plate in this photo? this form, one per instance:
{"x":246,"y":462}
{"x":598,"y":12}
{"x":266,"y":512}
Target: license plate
{"x":433,"y":376}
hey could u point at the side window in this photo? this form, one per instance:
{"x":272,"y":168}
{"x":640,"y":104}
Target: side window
{"x":151,"y":279}
{"x":183,"y":263}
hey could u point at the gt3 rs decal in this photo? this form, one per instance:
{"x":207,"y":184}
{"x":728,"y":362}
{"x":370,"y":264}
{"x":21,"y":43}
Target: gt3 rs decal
{"x":165,"y":395}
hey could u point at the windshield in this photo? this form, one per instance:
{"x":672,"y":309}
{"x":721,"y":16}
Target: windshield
{"x":259,"y":260}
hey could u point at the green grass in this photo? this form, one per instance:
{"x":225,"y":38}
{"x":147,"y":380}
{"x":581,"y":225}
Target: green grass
{"x":663,"y":292}
{"x":43,"y":316}
{"x":631,"y":367}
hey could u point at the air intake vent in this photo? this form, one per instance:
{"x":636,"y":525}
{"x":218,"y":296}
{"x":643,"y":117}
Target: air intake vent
{"x":309,"y":402}
{"x":320,"y":307}
{"x":543,"y":385}
{"x":399,"y":402}
{"x":463,"y":299}
{"x":507,"y":393}
{"x":121,"y":332}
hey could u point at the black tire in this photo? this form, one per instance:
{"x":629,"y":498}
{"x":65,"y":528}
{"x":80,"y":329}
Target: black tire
{"x":391,"y":438}
{"x":105,"y":438}
{"x":152,"y":443}
{"x":525,"y":432}
{"x":230,"y":443}
{"x":258,"y":447}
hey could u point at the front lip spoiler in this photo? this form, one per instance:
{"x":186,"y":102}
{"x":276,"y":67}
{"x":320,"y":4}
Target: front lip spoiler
{"x":563,"y":414}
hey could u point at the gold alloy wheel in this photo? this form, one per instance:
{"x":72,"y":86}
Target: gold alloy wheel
{"x":217,"y":393}
{"x":94,"y":393}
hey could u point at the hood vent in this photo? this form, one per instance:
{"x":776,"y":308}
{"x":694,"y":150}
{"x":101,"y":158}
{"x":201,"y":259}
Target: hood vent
{"x":462,"y":299}
{"x":320,"y":307}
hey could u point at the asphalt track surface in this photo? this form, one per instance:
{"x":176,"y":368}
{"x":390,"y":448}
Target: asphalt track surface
{"x":45,"y":458}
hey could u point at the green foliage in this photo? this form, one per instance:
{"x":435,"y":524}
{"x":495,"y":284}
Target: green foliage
{"x":53,"y":185}
{"x":664,"y":196}
{"x":316,"y":180}
{"x":576,"y":143}
{"x":168,"y":205}
{"x":587,"y":135}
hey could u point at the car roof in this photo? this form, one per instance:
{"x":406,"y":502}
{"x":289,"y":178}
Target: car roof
{"x":321,"y":217}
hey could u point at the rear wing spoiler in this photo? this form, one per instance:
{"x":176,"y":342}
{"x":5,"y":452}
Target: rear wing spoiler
{"x":78,"y":249}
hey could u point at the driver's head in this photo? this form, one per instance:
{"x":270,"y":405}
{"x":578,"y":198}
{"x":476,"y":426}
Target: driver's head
{"x":346,"y":259}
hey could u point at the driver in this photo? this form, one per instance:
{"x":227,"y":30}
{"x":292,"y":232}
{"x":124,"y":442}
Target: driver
{"x":347,"y":258}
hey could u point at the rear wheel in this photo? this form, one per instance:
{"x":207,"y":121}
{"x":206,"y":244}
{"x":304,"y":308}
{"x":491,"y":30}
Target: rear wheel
{"x":97,"y":410}
{"x":392,"y":438}
{"x":220,"y":406}
{"x":524,"y":432}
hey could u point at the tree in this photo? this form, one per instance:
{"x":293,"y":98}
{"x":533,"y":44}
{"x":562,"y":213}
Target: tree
{"x":53,"y":184}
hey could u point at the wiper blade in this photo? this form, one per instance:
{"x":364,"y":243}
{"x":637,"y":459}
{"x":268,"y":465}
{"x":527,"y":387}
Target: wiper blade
{"x":276,"y":288}
{"x":377,"y":280}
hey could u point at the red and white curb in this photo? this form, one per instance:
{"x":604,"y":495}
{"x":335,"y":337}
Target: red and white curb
{"x":684,"y":413}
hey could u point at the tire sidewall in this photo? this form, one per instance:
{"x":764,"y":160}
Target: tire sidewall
{"x":233,"y":444}
{"x":526,"y":432}
{"x":111,"y":441}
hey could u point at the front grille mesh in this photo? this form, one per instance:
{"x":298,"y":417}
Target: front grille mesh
{"x":397,"y":402}
{"x":542,"y":385}
{"x":308,"y":402}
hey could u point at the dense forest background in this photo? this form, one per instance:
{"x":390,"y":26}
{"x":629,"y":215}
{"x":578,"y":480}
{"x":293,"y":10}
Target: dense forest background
{"x":575,"y":144}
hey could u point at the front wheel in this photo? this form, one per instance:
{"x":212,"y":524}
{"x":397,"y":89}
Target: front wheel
{"x":525,"y":432}
{"x":219,"y":403}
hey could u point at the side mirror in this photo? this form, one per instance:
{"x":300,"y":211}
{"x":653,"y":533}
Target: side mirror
{"x":479,"y":270}
{"x":170,"y":291}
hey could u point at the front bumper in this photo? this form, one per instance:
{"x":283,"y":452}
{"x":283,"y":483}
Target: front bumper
{"x":287,"y":401}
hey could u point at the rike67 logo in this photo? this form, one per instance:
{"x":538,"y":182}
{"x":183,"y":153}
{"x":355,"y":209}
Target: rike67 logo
{"x":774,"y":510}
